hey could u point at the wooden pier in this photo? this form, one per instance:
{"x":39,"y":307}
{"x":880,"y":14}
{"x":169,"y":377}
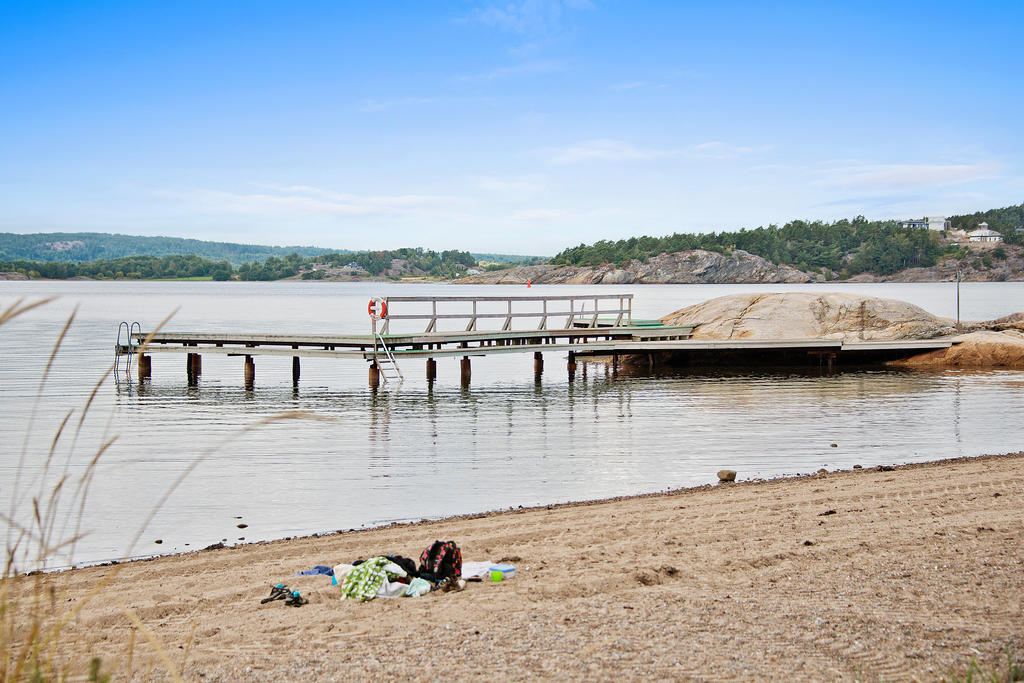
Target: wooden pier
{"x":600,"y":325}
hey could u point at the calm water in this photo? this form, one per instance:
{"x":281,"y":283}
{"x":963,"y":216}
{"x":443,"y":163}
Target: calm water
{"x":423,"y":451}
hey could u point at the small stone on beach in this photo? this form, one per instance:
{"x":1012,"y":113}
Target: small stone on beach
{"x":158,"y":541}
{"x":857,"y":467}
{"x":241,"y":526}
{"x":727,"y":475}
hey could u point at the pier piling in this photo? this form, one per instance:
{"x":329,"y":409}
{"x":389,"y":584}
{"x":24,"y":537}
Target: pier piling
{"x":431,"y":369}
{"x":295,"y":370}
{"x":466,"y":370}
{"x":538,"y":362}
{"x":571,"y":365}
{"x":145,"y":367}
{"x":374,"y":375}
{"x":250,"y":372}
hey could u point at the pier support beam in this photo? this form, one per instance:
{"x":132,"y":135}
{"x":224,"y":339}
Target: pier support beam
{"x":250,"y":372}
{"x":538,"y":362}
{"x":197,"y":364}
{"x":466,"y":370}
{"x":571,"y":365}
{"x":295,"y":371}
{"x":829,"y":357}
{"x":431,"y":369}
{"x":145,"y":367}
{"x":374,"y":377}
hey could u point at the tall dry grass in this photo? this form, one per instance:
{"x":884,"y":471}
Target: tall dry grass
{"x":44,"y":521}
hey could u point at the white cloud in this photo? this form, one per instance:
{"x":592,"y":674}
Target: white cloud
{"x":506,"y":184}
{"x":302,"y":199}
{"x":524,"y":69}
{"x":886,"y":177}
{"x":723,"y":150}
{"x":606,"y":150}
{"x":527,"y":16}
{"x":540,"y":214}
{"x":370,"y":105}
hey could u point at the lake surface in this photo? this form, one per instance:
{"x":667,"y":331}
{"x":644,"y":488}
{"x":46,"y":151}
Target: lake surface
{"x":368,"y":457}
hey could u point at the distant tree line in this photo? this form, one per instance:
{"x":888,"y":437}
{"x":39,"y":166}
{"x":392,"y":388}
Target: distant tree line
{"x":446,"y":264}
{"x":130,"y":268}
{"x":93,"y":246}
{"x":842,"y":248}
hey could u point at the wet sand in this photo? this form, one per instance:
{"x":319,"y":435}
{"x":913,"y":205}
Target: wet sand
{"x":896,"y":574}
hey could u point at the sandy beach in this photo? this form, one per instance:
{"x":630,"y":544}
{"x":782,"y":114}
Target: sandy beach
{"x":894,"y":574}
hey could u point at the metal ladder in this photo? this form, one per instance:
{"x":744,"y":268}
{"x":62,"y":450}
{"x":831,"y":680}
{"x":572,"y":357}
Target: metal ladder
{"x":129,"y":328}
{"x":386,"y":363}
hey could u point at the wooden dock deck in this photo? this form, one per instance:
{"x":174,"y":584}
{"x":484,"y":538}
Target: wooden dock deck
{"x":577,"y":326}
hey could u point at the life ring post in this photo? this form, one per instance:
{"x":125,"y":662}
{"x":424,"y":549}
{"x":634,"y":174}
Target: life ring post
{"x":377,"y":308}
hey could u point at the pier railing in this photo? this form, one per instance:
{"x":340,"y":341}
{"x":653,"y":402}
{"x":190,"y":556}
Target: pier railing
{"x":598,"y":310}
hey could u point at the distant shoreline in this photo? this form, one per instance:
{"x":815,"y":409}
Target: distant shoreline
{"x":17,"y":277}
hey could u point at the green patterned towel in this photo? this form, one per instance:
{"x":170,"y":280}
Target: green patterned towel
{"x":363,"y":582}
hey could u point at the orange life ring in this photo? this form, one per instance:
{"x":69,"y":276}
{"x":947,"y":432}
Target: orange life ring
{"x":371,"y":308}
{"x":383,"y":309}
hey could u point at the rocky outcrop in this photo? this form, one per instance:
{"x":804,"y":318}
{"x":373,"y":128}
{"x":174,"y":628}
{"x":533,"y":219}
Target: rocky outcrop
{"x":985,"y":349}
{"x":979,"y":265}
{"x":852,"y":317}
{"x":12,"y":275}
{"x":740,"y":267}
{"x":682,"y":267}
{"x":797,"y":315}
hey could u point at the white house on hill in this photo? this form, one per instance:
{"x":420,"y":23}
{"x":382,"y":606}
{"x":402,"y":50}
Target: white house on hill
{"x":931,"y":222}
{"x":983,"y":234}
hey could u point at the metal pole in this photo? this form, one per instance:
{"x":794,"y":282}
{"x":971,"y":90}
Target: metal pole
{"x":959,"y":275}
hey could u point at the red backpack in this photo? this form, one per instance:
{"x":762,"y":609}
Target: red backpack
{"x":441,"y":560}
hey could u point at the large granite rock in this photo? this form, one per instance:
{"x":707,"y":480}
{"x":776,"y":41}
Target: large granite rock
{"x":797,"y":315}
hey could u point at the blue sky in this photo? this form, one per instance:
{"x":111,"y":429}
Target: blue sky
{"x":517,"y":126}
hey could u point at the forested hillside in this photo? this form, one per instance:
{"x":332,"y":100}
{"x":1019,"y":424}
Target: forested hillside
{"x":1006,"y":221}
{"x":394,"y":264}
{"x":90,"y":246}
{"x":843,"y":248}
{"x":127,"y":268}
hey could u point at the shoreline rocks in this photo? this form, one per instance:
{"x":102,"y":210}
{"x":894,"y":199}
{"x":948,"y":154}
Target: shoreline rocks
{"x":974,"y":350}
{"x":682,"y":267}
{"x":740,"y":267}
{"x":854,"y":317}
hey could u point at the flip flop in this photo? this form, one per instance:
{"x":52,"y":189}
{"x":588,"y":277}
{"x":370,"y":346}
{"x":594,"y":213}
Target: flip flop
{"x":278,"y":592}
{"x":296,"y":600}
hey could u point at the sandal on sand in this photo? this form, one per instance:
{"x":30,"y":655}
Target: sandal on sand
{"x":278,"y":592}
{"x":296,"y":600}
{"x":452,"y":584}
